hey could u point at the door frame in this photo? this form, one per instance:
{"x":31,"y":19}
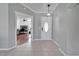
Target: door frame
{"x":51,"y":26}
{"x":23,"y":14}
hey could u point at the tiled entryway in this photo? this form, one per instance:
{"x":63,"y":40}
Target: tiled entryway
{"x":36,"y":48}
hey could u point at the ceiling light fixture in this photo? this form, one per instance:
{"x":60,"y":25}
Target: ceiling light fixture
{"x":48,"y":13}
{"x":24,"y":8}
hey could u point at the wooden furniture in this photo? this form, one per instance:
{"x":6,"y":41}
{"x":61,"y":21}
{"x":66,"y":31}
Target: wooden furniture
{"x":22,"y":38}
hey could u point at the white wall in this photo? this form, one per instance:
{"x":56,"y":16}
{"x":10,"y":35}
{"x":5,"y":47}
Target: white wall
{"x":59,"y":27}
{"x":3,"y":26}
{"x":12,"y":24}
{"x":8,"y":23}
{"x":73,"y":41}
{"x":66,"y":28}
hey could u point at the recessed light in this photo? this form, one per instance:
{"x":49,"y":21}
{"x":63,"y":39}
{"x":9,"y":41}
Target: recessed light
{"x":24,"y":8}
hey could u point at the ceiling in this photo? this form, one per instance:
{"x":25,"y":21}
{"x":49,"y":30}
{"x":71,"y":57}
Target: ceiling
{"x":43,"y":8}
{"x":40,"y":7}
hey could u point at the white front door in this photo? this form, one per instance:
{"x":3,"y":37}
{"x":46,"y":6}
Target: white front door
{"x":46,"y":28}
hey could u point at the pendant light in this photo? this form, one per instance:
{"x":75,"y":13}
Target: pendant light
{"x":48,"y":13}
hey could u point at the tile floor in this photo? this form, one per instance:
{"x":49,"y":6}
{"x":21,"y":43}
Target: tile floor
{"x":34,"y":48}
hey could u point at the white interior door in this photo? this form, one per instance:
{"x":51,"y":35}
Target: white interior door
{"x":46,"y":28}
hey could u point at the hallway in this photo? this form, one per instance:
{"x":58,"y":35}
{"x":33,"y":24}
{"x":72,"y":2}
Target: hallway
{"x":37,"y":48}
{"x":56,"y":21}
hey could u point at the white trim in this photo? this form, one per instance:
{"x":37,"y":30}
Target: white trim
{"x":7,"y":48}
{"x":23,"y":14}
{"x":3,"y":48}
{"x":46,"y":39}
{"x":15,"y":29}
{"x":31,"y":9}
{"x":55,"y":7}
{"x":40,"y":39}
{"x":38,"y":11}
{"x":62,"y":51}
{"x":32,"y":27}
{"x":11,"y":47}
{"x":60,"y":48}
{"x":28,"y":7}
{"x":56,"y":43}
{"x":36,"y":39}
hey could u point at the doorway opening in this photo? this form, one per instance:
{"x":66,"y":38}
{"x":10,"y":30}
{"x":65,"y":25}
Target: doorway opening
{"x":24,"y":29}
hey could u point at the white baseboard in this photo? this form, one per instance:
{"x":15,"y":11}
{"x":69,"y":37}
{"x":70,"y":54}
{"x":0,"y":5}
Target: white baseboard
{"x":60,"y":48}
{"x":36,"y":39}
{"x":7,"y":48}
{"x":11,"y":47}
{"x":41,"y":39}
{"x":3,"y":48}
{"x":62,"y":51}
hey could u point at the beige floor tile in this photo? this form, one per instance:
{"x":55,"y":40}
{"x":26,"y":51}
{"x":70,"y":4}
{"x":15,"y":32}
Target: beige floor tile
{"x":35,"y":48}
